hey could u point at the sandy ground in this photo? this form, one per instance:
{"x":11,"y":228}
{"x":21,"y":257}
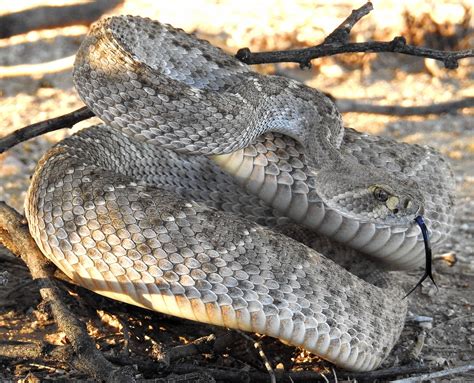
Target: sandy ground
{"x":35,"y":86}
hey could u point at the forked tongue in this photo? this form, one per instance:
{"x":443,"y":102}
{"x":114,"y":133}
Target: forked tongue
{"x":428,"y":256}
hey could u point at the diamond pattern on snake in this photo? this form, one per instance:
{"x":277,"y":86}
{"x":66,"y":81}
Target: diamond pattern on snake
{"x":172,"y":202}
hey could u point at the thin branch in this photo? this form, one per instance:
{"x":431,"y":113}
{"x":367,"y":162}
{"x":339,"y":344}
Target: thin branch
{"x":348,"y":105}
{"x":238,"y":375}
{"x":337,"y":43}
{"x":32,"y":352}
{"x":194,"y":377}
{"x":210,"y":344}
{"x":204,"y":345}
{"x":15,"y":236}
{"x":35,"y":351}
{"x":341,"y":33}
{"x":439,"y":374}
{"x":65,"y":121}
{"x":262,"y":355}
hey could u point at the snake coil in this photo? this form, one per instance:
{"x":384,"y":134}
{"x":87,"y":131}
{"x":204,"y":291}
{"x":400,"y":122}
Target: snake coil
{"x":163,"y":205}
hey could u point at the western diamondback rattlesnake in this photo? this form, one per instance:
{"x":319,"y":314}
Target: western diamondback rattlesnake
{"x":126,"y":211}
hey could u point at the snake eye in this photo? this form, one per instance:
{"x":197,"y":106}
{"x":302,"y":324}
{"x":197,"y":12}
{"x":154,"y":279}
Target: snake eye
{"x":380,"y":194}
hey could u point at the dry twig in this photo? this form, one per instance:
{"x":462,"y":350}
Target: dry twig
{"x":15,"y":236}
{"x":204,"y":345}
{"x":238,"y":375}
{"x":439,"y":374}
{"x":337,"y":43}
{"x":262,"y":355}
{"x":35,"y":351}
{"x":65,"y":121}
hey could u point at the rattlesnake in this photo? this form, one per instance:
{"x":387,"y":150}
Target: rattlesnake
{"x":163,"y":205}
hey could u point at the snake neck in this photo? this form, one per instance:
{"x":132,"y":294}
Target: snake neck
{"x":344,"y":184}
{"x":143,"y":96}
{"x":302,"y":113}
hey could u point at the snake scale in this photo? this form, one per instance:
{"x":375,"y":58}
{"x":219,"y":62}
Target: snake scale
{"x":169,"y":204}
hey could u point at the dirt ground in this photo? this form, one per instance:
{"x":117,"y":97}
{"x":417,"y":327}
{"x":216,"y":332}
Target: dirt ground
{"x":35,"y":84}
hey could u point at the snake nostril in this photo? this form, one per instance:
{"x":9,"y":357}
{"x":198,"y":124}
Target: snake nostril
{"x":407,"y":203}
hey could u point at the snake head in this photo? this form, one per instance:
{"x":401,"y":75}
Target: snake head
{"x":370,"y":195}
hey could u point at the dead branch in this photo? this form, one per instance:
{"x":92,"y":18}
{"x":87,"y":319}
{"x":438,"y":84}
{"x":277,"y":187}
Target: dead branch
{"x":65,"y":121}
{"x":348,"y":105}
{"x":440,"y":374}
{"x":342,"y":32}
{"x":204,"y":345}
{"x":337,"y":43}
{"x":27,"y":351}
{"x":258,"y":346}
{"x":35,"y":351}
{"x":193,"y":377}
{"x":238,"y":375}
{"x":15,"y":236}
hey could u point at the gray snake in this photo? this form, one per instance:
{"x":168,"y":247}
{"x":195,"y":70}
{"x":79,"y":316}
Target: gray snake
{"x":169,"y":205}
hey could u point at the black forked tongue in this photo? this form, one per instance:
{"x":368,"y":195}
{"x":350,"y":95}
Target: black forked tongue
{"x":428,"y":257}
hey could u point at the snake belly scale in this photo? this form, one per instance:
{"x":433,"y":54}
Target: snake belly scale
{"x":163,"y":205}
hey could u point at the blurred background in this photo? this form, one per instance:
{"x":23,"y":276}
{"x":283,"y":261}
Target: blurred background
{"x":38,"y":40}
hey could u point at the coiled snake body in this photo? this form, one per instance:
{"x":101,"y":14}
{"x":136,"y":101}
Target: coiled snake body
{"x":126,"y":211}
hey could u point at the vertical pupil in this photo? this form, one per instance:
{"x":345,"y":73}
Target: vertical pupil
{"x":381,"y":195}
